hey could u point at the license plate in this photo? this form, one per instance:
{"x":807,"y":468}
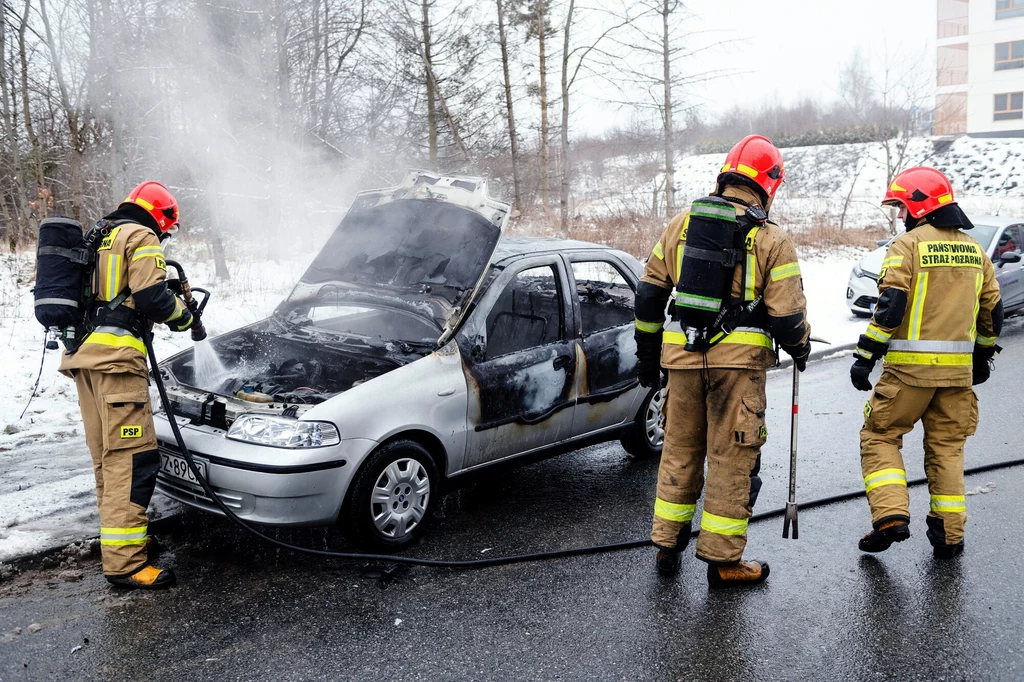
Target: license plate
{"x":176,"y":466}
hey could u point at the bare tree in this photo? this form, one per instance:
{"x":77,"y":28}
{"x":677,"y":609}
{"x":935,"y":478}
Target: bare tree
{"x":513,"y":142}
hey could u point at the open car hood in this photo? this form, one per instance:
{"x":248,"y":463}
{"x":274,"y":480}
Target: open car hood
{"x":426,"y":243}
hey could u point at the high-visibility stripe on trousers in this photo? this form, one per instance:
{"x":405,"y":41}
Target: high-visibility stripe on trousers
{"x":114,"y":537}
{"x":725,"y":427}
{"x":949,"y":415}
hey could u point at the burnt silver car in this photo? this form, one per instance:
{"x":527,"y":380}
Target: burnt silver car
{"x":419,"y":347}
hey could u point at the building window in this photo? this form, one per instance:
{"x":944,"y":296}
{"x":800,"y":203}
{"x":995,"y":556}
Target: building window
{"x":1009,"y":8}
{"x":952,"y":63}
{"x":1010,"y":55}
{"x":951,"y":113}
{"x":1009,"y":105}
{"x":953,"y":17}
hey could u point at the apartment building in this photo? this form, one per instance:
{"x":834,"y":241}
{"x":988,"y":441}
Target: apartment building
{"x":980,"y":68}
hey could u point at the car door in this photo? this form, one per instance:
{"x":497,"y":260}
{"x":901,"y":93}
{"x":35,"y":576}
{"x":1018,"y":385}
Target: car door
{"x":520,"y":362}
{"x":1011,"y":283}
{"x":604,"y":294}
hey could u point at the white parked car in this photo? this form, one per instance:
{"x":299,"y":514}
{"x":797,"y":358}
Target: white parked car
{"x":1002,"y":238}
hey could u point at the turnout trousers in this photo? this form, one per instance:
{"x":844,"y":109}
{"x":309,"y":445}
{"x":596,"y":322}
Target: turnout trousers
{"x":118,"y":421}
{"x":949,"y":415}
{"x":715,"y":415}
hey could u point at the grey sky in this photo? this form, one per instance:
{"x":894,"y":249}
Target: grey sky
{"x":792,"y":49}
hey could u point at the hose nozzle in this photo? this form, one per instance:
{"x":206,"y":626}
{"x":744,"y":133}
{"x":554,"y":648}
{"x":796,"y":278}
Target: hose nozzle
{"x":198,"y":328}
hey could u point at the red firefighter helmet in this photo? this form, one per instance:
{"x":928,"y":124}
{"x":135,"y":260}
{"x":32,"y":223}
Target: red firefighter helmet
{"x":921,"y":190}
{"x":158,"y":202}
{"x":757,"y":160}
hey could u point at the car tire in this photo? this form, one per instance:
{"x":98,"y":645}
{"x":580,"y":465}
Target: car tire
{"x":391,"y":498}
{"x":646,"y":437}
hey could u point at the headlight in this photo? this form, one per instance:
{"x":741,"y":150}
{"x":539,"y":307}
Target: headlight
{"x":857,"y":272}
{"x":280,"y":432}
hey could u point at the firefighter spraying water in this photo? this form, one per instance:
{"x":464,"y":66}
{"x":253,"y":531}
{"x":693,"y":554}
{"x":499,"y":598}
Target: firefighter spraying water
{"x":100,"y":294}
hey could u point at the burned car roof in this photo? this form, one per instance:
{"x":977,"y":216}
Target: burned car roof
{"x":510,"y":248}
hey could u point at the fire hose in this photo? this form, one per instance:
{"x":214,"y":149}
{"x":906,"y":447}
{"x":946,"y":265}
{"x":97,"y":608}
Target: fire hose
{"x":440,"y":563}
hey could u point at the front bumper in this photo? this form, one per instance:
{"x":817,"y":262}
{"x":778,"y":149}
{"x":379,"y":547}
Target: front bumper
{"x":861,"y":295}
{"x":270,"y":486}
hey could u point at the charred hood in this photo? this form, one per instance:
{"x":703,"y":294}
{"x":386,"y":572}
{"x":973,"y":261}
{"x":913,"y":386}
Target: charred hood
{"x":428,"y":254}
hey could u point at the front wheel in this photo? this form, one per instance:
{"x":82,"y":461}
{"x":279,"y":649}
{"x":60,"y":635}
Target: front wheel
{"x":646,"y":437}
{"x":389,"y":504}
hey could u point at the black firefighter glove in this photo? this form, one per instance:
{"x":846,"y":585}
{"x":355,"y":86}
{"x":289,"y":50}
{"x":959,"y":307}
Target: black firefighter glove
{"x":983,"y":363}
{"x":860,"y":373}
{"x":648,"y":359}
{"x":799,"y":354}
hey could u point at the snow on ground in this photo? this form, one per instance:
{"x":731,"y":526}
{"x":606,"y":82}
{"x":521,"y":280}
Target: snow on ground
{"x":47,"y":496}
{"x":987,"y":176}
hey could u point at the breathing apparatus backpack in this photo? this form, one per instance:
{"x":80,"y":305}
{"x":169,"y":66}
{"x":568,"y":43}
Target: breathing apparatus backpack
{"x":65,"y":292}
{"x":715,"y":244}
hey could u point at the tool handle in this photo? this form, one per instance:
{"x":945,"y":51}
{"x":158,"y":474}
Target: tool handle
{"x":793,"y":434}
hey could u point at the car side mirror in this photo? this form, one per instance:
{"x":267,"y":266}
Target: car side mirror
{"x":1009,"y":257}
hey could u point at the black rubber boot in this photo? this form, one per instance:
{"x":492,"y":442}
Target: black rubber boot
{"x":737,"y":575}
{"x":146,"y":578}
{"x":948,"y":551}
{"x":667,"y":561}
{"x":881,"y":538}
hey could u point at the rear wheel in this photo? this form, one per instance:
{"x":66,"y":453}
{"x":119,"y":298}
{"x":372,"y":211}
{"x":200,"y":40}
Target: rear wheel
{"x":646,"y":438}
{"x":389,"y":505}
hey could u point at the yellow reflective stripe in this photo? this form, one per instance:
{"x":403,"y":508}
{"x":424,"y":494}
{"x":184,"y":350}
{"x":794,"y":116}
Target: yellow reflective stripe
{"x":649,"y":327}
{"x":867,"y":355}
{"x":119,"y":543}
{"x":986,"y":340}
{"x":670,"y":511}
{"x":945,"y":198}
{"x":785,"y":271}
{"x":143,"y":203}
{"x":749,"y":289}
{"x":680,"y":247}
{"x":920,"y":292}
{"x":885,"y":477}
{"x":722,"y":525}
{"x":896,"y":188}
{"x":941,"y":359}
{"x":749,"y":339}
{"x":147,"y":252}
{"x":113,"y":280}
{"x":123,"y":531}
{"x":659,"y":252}
{"x":735,"y":338}
{"x":892,"y":261}
{"x":179,"y":309}
{"x":949,"y":503}
{"x":115,"y":341}
{"x":979,"y":279}
{"x":877,"y":334}
{"x":746,"y":170}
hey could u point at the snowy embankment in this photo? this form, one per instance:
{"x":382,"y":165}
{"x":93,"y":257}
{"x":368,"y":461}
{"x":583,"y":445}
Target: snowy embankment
{"x":824,"y":182}
{"x":47,"y":496}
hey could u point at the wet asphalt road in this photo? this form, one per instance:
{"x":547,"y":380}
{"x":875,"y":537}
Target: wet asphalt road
{"x":245,"y":611}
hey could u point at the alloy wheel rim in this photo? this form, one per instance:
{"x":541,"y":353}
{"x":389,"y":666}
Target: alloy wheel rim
{"x":654,"y":433}
{"x":400,"y":497}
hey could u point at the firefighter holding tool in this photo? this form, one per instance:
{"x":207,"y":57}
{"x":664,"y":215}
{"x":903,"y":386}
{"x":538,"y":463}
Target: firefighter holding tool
{"x":736,"y":291}
{"x":108,"y":364}
{"x":936,"y":323}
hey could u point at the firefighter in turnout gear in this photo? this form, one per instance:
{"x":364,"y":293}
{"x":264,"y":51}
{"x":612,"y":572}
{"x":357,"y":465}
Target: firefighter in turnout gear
{"x":109,"y":369}
{"x":935,"y":325}
{"x":714,"y":401}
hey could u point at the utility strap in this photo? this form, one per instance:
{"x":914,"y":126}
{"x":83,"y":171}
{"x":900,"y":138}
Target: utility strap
{"x":79,"y":256}
{"x":728,"y":257}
